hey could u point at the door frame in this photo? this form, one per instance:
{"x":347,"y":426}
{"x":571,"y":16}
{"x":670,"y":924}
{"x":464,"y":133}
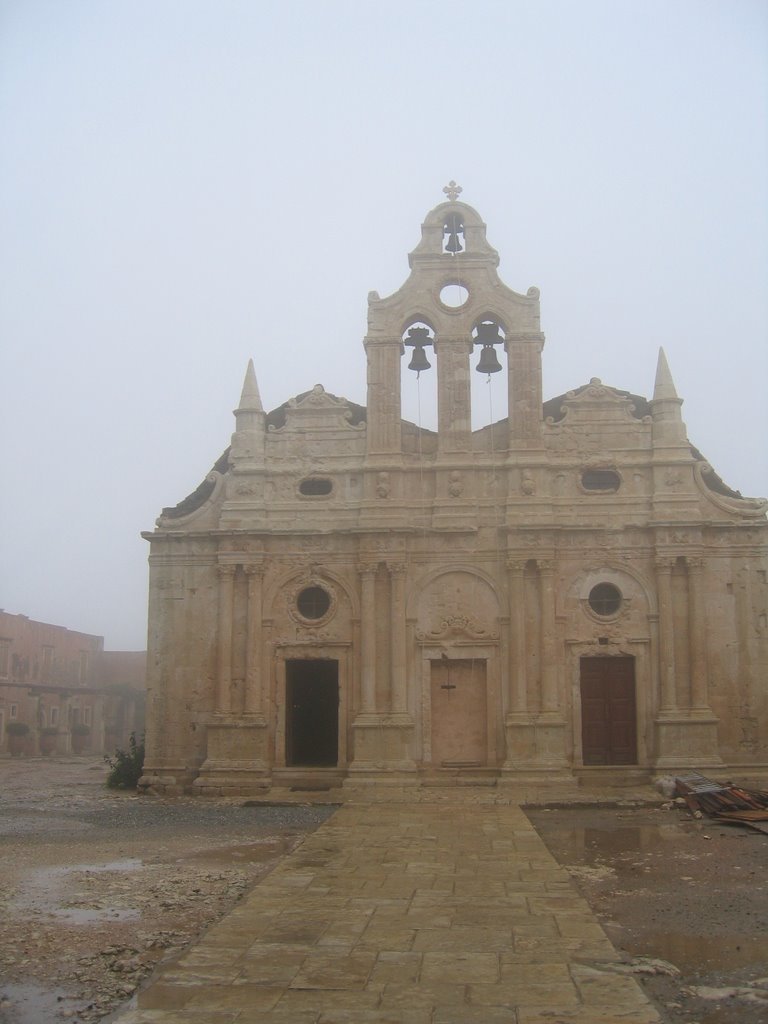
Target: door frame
{"x":640,"y":650}
{"x":338,"y":652}
{"x":489,"y":653}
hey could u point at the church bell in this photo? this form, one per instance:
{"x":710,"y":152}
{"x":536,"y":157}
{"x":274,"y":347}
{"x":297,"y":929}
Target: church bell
{"x":489,"y":361}
{"x":418,"y":337}
{"x":419,"y":359}
{"x":454,"y":226}
{"x":488,"y":335}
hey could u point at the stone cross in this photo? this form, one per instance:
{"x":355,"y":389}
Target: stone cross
{"x":453,"y":191}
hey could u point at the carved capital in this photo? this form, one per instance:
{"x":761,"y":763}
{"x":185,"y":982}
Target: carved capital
{"x":367,"y":570}
{"x":254,"y":570}
{"x":396,"y":569}
{"x":516,"y":566}
{"x":546,"y":566}
{"x":664,"y":564}
{"x":226,"y":572}
{"x":694,"y":563}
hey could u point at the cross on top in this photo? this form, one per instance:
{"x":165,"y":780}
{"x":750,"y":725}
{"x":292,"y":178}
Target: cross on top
{"x":453,"y":191}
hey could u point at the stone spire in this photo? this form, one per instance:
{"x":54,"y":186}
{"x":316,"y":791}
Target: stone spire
{"x":668,"y":426}
{"x":250,"y":399}
{"x":664,"y":386}
{"x":250,"y":424}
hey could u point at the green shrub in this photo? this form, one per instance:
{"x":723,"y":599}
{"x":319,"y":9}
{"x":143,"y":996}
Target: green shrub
{"x":17,"y":728}
{"x":81,"y":729}
{"x":127,"y":766}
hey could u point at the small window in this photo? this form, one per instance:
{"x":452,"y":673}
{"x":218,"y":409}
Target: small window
{"x":600,"y":480}
{"x":54,"y":716}
{"x":87,"y":716}
{"x":14,"y":711}
{"x":605,"y":599}
{"x":313,"y":602}
{"x":315,"y":486}
{"x":5,"y":651}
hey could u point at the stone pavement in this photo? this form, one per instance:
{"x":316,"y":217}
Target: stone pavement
{"x":404,"y":913}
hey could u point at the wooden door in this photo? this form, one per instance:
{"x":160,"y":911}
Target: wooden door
{"x":459,"y":713}
{"x":608,"y":711}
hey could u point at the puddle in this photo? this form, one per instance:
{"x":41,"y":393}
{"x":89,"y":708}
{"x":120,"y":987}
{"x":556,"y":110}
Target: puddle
{"x":30,"y":1004}
{"x":49,"y":890}
{"x":81,"y":915}
{"x":590,"y":845}
{"x":248,"y":853}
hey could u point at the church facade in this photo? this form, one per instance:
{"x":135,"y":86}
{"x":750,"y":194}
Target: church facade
{"x":350,"y":599}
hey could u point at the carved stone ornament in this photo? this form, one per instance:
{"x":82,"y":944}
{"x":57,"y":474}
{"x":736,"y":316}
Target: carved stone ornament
{"x":457,"y":625}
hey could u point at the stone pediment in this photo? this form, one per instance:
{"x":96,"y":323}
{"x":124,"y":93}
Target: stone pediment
{"x":317,"y":410}
{"x":596,"y":401}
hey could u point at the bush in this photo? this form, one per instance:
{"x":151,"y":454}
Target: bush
{"x":17,"y":728}
{"x":127,"y":766}
{"x":49,"y":730}
{"x":81,"y":729}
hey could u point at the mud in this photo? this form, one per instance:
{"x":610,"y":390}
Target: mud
{"x":691,"y":893}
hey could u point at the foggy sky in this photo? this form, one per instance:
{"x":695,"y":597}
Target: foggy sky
{"x":185,"y":184}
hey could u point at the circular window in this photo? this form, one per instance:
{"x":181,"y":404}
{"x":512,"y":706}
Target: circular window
{"x":605,"y":599}
{"x":313,"y":602}
{"x":454,"y":295}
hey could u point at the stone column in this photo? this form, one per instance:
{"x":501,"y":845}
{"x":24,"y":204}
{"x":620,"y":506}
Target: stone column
{"x":399,"y":692}
{"x":697,"y":636}
{"x":549,"y":700}
{"x":518,"y":683}
{"x":524,"y":387}
{"x":368,"y":640}
{"x":384,"y":418}
{"x":453,"y":394}
{"x":224,"y":674}
{"x":253,"y":650}
{"x":666,"y":634}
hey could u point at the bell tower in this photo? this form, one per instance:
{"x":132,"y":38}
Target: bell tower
{"x":453,"y":302}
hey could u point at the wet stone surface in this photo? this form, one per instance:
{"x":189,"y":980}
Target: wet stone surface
{"x":97,"y":887}
{"x":690,"y":895}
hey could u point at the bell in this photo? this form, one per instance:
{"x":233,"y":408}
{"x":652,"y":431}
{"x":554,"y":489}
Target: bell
{"x":453,"y":227}
{"x":489,"y":361}
{"x":419,"y":359}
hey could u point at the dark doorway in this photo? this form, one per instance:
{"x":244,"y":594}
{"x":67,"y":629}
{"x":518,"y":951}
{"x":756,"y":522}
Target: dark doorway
{"x":608,"y":713}
{"x":312,"y":713}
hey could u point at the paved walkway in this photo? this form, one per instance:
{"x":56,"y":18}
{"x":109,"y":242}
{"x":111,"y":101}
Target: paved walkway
{"x":405,"y":913}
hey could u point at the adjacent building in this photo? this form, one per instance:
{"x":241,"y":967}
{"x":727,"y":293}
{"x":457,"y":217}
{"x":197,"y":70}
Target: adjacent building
{"x":348,"y":598}
{"x":61,"y":692}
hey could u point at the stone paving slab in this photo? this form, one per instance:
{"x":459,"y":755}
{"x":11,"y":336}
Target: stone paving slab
{"x":404,"y":913}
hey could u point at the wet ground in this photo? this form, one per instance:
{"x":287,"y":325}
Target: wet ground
{"x":98,"y":886}
{"x":691,"y":893}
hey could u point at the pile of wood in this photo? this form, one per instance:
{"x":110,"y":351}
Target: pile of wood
{"x":724,"y":801}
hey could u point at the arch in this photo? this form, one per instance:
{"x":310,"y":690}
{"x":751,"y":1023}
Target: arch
{"x":309,"y":575}
{"x":609,"y":571}
{"x":418,"y":587}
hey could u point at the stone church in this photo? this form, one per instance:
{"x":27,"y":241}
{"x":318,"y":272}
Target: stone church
{"x":570,"y":593}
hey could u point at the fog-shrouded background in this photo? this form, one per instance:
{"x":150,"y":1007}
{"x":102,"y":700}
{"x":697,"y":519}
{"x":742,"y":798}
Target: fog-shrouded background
{"x":185,"y":184}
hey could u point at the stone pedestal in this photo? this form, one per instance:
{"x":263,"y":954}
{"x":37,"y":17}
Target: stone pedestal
{"x":381,"y":749}
{"x":536,"y":749}
{"x":236,"y":761}
{"x":686,"y":740}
